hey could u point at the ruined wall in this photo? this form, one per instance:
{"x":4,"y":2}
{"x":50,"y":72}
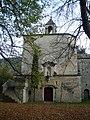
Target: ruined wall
{"x":84,"y":70}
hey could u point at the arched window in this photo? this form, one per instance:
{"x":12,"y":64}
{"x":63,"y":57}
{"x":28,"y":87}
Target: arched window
{"x":86,"y":94}
{"x":50,"y":29}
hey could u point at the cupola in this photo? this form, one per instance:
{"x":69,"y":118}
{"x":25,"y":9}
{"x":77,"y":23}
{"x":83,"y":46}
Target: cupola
{"x":50,"y":27}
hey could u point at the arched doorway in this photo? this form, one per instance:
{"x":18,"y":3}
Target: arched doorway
{"x":50,"y":29}
{"x":48,"y":94}
{"x":86,"y":94}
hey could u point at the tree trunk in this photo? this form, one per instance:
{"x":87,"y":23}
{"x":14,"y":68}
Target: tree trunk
{"x":34,"y":94}
{"x":84,"y":16}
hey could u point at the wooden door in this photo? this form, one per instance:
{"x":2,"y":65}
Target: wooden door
{"x":48,"y":94}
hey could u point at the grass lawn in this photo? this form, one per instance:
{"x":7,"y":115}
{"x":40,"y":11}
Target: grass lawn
{"x":45,"y":111}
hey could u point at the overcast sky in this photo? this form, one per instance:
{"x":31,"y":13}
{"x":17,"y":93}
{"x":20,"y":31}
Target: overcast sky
{"x":83,"y":41}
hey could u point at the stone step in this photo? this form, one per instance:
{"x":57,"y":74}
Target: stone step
{"x":5,"y":98}
{"x":12,"y":95}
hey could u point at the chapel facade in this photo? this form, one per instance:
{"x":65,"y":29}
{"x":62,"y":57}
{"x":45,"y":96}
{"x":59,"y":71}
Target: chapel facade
{"x":66,"y":72}
{"x":57,"y":62}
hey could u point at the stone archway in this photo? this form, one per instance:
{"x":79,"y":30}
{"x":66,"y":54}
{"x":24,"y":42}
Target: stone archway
{"x":86,"y":94}
{"x":48,"y":94}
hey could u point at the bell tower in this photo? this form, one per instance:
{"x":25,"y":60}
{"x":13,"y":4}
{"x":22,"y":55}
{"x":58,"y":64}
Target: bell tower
{"x":50,"y":27}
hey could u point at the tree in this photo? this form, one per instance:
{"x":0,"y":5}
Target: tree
{"x":74,"y":13}
{"x":85,"y":19}
{"x":17,"y":17}
{"x":5,"y":73}
{"x":35,"y":72}
{"x":81,"y":50}
{"x":36,"y":76}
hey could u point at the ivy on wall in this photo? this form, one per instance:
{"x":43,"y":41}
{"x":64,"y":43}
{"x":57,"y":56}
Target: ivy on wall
{"x":36,"y":76}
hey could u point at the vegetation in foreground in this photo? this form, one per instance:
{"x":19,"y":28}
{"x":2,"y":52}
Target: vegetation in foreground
{"x":46,"y":111}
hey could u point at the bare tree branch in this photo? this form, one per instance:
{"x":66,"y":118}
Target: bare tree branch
{"x":3,"y":26}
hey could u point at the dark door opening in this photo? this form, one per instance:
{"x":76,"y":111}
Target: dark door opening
{"x":48,"y":94}
{"x":86,"y":94}
{"x":50,"y":29}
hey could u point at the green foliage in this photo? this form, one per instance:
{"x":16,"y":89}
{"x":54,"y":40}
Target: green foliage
{"x":5,"y":73}
{"x":17,"y":18}
{"x":36,"y":76}
{"x":81,"y":50}
{"x":20,"y":14}
{"x":35,"y":72}
{"x":16,"y":62}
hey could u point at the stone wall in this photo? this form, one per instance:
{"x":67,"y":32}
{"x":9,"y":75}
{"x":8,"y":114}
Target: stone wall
{"x":60,"y":59}
{"x":65,"y":89}
{"x":22,"y":87}
{"x":84,"y":70}
{"x":61,"y":53}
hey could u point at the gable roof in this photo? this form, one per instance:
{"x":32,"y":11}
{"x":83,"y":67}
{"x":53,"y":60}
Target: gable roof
{"x":50,"y":22}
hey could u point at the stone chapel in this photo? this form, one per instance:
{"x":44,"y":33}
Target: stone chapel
{"x":58,"y":62}
{"x":66,"y":73}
